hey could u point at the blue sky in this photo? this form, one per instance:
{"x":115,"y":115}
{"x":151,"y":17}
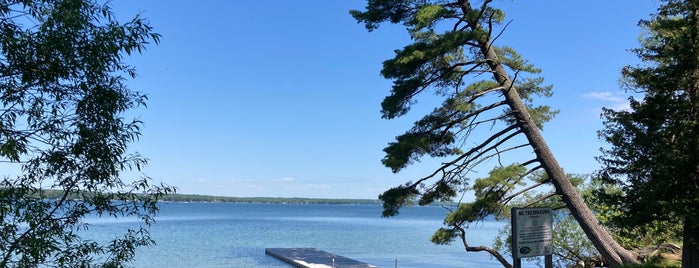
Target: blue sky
{"x":282,"y":98}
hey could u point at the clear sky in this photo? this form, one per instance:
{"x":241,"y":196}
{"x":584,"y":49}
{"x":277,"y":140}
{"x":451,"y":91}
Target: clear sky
{"x":282,"y":98}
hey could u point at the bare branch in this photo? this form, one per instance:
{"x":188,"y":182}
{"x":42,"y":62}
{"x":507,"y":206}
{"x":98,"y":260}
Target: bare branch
{"x":468,"y":154}
{"x":512,"y":196}
{"x":530,"y":162}
{"x":543,"y":198}
{"x":500,"y":34}
{"x":453,"y":123}
{"x":491,"y":251}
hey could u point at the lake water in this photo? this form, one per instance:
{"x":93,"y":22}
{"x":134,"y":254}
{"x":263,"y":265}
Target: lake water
{"x":236,"y":234}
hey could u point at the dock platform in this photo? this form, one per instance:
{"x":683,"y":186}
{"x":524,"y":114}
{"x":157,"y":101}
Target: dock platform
{"x":314,"y":258}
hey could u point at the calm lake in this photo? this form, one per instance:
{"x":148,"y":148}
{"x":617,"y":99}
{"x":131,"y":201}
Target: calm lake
{"x":236,"y":234}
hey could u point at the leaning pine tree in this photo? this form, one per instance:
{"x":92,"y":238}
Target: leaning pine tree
{"x":654,"y":153}
{"x":63,"y":99}
{"x":453,"y":54}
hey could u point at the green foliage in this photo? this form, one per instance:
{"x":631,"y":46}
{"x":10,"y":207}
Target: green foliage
{"x":444,"y":236}
{"x":426,"y":17}
{"x":663,"y":264}
{"x":430,"y":61}
{"x":570,"y":244}
{"x":610,"y":214}
{"x":63,"y":99}
{"x":490,"y":192}
{"x":442,"y":191}
{"x":499,"y":181}
{"x":444,"y":62}
{"x":411,"y":146}
{"x":378,"y":11}
{"x":449,"y":57}
{"x":396,"y":197}
{"x":654,"y":153}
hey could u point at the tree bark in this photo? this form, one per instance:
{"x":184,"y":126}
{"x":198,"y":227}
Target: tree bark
{"x":690,"y":244}
{"x":690,"y":232}
{"x":494,"y":253}
{"x":610,"y":250}
{"x":600,"y":237}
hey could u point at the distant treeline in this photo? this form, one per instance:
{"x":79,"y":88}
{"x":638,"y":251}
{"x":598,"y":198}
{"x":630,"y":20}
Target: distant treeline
{"x":55,"y":194}
{"x":280,"y":200}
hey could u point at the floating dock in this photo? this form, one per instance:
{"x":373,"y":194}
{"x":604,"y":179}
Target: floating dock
{"x":314,"y":258}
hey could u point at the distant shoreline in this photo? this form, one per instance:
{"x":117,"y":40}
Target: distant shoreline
{"x":273,"y":200}
{"x":194,"y":198}
{"x":54,"y":194}
{"x":197,"y":198}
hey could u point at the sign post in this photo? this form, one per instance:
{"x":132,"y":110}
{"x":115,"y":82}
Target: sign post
{"x":532,"y":234}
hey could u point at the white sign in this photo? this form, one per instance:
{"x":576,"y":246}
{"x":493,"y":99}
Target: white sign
{"x":532,"y":232}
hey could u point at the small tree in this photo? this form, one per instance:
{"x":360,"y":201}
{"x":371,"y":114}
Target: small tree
{"x":654,"y":153}
{"x":453,"y":53}
{"x":63,"y":98}
{"x":638,"y":237}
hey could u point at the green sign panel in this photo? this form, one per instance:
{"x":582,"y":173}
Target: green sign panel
{"x":532,"y":232}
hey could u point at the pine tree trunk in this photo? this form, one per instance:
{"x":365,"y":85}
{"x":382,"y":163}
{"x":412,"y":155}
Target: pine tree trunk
{"x":690,"y":244}
{"x":690,"y":233}
{"x":611,"y":251}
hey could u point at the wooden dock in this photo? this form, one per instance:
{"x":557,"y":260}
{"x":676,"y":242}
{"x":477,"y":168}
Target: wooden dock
{"x":314,"y":258}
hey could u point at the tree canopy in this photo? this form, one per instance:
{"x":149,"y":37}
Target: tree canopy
{"x":489,"y":112}
{"x":64,"y":102}
{"x":654,"y":153}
